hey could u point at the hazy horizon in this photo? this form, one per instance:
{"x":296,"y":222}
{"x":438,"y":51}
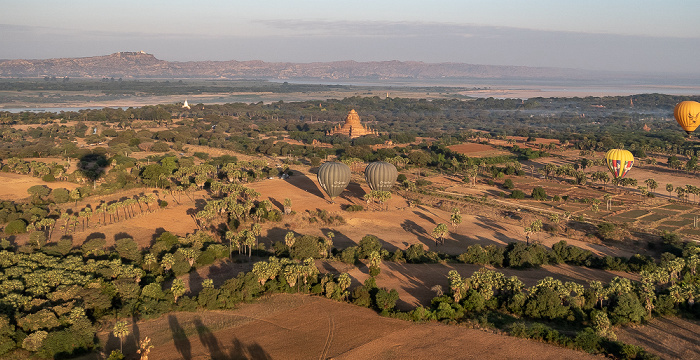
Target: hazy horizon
{"x":642,"y":36}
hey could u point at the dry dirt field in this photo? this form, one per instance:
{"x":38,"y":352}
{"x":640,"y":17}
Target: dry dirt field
{"x":476,"y":150}
{"x":669,"y":338}
{"x":303,"y":327}
{"x":14,"y":186}
{"x":313,"y":327}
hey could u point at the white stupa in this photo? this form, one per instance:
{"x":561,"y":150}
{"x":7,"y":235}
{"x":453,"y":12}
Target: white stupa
{"x":185,"y":105}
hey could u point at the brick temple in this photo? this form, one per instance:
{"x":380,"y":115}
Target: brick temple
{"x":352,"y":127}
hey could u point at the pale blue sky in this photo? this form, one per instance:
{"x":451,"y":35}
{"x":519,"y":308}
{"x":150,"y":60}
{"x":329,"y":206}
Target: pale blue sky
{"x":647,"y":36}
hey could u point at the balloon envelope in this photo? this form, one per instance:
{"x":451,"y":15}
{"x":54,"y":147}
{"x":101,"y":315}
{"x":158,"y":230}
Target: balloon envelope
{"x":687,"y":114}
{"x":381,"y":175}
{"x":619,"y":162}
{"x":334,"y":177}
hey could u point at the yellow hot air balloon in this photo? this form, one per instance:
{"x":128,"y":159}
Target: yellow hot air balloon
{"x":619,"y":162}
{"x":687,"y":113}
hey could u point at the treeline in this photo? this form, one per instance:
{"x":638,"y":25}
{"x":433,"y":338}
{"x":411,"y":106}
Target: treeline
{"x":53,"y":296}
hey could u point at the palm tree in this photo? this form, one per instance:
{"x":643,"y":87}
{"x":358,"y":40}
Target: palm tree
{"x":329,"y":242}
{"x":289,"y":239}
{"x":121,"y":330}
{"x":455,"y":218}
{"x":178,"y":288}
{"x":439,"y":232}
{"x":608,"y":201}
{"x":651,"y":184}
{"x":287,"y":206}
{"x":535,"y":227}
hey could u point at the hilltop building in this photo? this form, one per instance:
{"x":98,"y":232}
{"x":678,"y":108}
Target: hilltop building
{"x":352,"y":127}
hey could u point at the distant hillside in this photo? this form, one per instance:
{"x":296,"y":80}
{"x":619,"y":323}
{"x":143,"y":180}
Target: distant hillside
{"x":143,"y":65}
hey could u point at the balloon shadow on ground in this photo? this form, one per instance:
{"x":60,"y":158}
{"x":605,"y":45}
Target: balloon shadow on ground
{"x":92,"y":166}
{"x":303,"y":182}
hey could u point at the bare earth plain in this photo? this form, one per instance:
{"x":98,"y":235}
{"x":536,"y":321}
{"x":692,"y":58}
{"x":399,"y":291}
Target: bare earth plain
{"x":296,"y":326}
{"x":302,"y":327}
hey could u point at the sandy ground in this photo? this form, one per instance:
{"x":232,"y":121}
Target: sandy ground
{"x":258,"y":334}
{"x":14,"y":186}
{"x":669,"y":338}
{"x":304,"y":327}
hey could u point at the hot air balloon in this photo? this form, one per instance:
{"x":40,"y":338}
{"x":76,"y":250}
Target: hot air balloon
{"x":334,"y":177}
{"x":619,"y":162}
{"x":687,"y":114}
{"x":381,"y":175}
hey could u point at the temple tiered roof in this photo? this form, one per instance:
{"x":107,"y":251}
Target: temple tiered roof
{"x":352,"y":127}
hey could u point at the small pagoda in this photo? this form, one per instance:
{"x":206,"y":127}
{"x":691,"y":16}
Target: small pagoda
{"x":352,"y":127}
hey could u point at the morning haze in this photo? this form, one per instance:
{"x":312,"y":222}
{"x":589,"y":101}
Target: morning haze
{"x":640,"y":36}
{"x":320,"y":179}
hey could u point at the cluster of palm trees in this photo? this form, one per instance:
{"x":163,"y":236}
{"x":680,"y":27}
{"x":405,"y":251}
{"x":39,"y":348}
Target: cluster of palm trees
{"x":566,"y":170}
{"x":293,"y":272}
{"x":116,"y":211}
{"x":664,"y":278}
{"x":682,"y":192}
{"x":35,"y":168}
{"x":377,"y":195}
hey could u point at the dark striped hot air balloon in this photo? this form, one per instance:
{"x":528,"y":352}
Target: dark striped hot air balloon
{"x":619,"y":162}
{"x":381,"y":175}
{"x":333,"y":177}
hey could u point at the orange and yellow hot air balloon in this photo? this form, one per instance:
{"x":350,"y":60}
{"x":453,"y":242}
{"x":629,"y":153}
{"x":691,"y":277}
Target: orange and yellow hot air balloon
{"x":687,"y":114}
{"x":619,"y":162}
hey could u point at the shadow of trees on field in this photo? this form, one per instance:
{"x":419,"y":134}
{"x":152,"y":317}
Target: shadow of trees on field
{"x":182,"y":343}
{"x":215,"y":349}
{"x":251,"y":351}
{"x":276,"y":203}
{"x":96,"y":235}
{"x":424,"y":217}
{"x":122,"y":235}
{"x":208,"y":340}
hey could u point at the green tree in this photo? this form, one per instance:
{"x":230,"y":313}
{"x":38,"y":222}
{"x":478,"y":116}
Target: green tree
{"x":369,"y":244}
{"x":307,"y":246}
{"x":386,"y":299}
{"x":61,"y":195}
{"x":128,"y":249}
{"x":627,"y":308}
{"x":538,"y":193}
{"x":508,"y":184}
{"x":39,"y":191}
